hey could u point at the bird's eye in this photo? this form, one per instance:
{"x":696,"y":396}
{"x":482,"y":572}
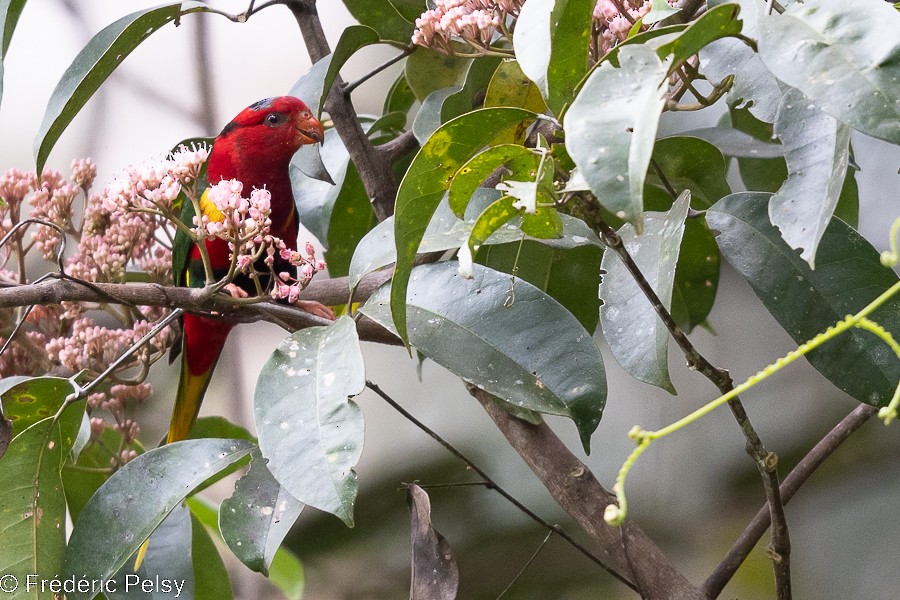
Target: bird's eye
{"x":274,"y":119}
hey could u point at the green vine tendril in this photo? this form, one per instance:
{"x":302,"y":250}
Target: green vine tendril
{"x":615,"y":513}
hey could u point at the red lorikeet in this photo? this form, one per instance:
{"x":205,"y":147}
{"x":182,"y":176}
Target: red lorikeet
{"x":256,"y":149}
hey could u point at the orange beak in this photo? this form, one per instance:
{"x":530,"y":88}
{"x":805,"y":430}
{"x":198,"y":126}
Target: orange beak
{"x":309,"y":129}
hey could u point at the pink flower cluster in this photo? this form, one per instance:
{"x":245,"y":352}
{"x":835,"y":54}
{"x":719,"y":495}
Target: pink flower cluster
{"x":287,"y":286}
{"x":122,"y":226}
{"x":475,"y":22}
{"x":480,"y":22}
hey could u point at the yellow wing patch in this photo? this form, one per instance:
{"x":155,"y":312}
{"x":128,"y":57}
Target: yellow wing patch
{"x":209,"y":210}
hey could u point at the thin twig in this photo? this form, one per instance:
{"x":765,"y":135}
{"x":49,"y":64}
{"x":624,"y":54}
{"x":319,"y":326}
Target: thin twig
{"x":527,"y":564}
{"x":766,"y":462}
{"x":494,"y":485}
{"x":347,"y":88}
{"x":742,"y":547}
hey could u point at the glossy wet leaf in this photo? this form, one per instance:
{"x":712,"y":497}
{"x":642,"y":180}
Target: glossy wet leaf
{"x":257,"y":516}
{"x":844,"y":55}
{"x":848,"y":276}
{"x":716,"y":23}
{"x":611,"y":128}
{"x":533,"y":353}
{"x":435,"y":574}
{"x":427,"y":180}
{"x":95,"y":63}
{"x":136,"y":499}
{"x":636,"y":335}
{"x":817,"y":150}
{"x":754,"y":86}
{"x":309,"y":429}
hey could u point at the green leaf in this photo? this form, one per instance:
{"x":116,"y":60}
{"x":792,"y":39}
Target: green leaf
{"x":428,"y":178}
{"x":314,"y":86}
{"x":30,"y":400}
{"x":472,"y":174}
{"x":552,"y":40}
{"x":33,"y":506}
{"x":660,"y":10}
{"x":544,"y":224}
{"x":95,"y":63}
{"x":168,"y":564}
{"x":10,"y":10}
{"x":753,"y":86}
{"x":611,"y":127}
{"x":219,"y":427}
{"x":533,"y":354}
{"x":569,"y":275}
{"x":716,"y":23}
{"x":428,"y":119}
{"x":759,"y":174}
{"x":844,"y":56}
{"x":817,"y":150}
{"x":141,"y":494}
{"x":351,"y":219}
{"x":309,"y":430}
{"x":509,"y":86}
{"x":490,"y":220}
{"x":400,"y":97}
{"x":92,"y":469}
{"x":696,"y":276}
{"x":732,"y":142}
{"x":257,"y":516}
{"x":847,"y":209}
{"x":428,"y":71}
{"x":848,"y":276}
{"x":692,"y":164}
{"x":445,"y":232}
{"x":210,"y":576}
{"x":286,"y":573}
{"x":636,"y":335}
{"x":315,"y":199}
{"x":384,"y":17}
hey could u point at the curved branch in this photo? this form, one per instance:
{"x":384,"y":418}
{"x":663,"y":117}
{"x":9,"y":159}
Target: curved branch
{"x":627,"y":549}
{"x":329,"y":291}
{"x":372,"y":164}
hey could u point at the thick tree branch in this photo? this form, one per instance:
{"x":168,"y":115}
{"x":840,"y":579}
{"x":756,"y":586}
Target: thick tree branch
{"x":327,"y":291}
{"x":627,"y":548}
{"x":766,"y":462}
{"x":716,"y":582}
{"x":373,"y":165}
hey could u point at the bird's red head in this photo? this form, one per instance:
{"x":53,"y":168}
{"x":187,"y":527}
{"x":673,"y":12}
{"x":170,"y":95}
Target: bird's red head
{"x":270,"y":130}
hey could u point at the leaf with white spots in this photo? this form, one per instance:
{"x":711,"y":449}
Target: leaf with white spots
{"x":611,"y":127}
{"x":636,"y":336}
{"x":844,"y":55}
{"x":258,"y":515}
{"x":308,"y":428}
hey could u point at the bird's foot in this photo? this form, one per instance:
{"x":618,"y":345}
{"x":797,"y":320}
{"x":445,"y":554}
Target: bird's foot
{"x":233,"y":290}
{"x":317,"y":308}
